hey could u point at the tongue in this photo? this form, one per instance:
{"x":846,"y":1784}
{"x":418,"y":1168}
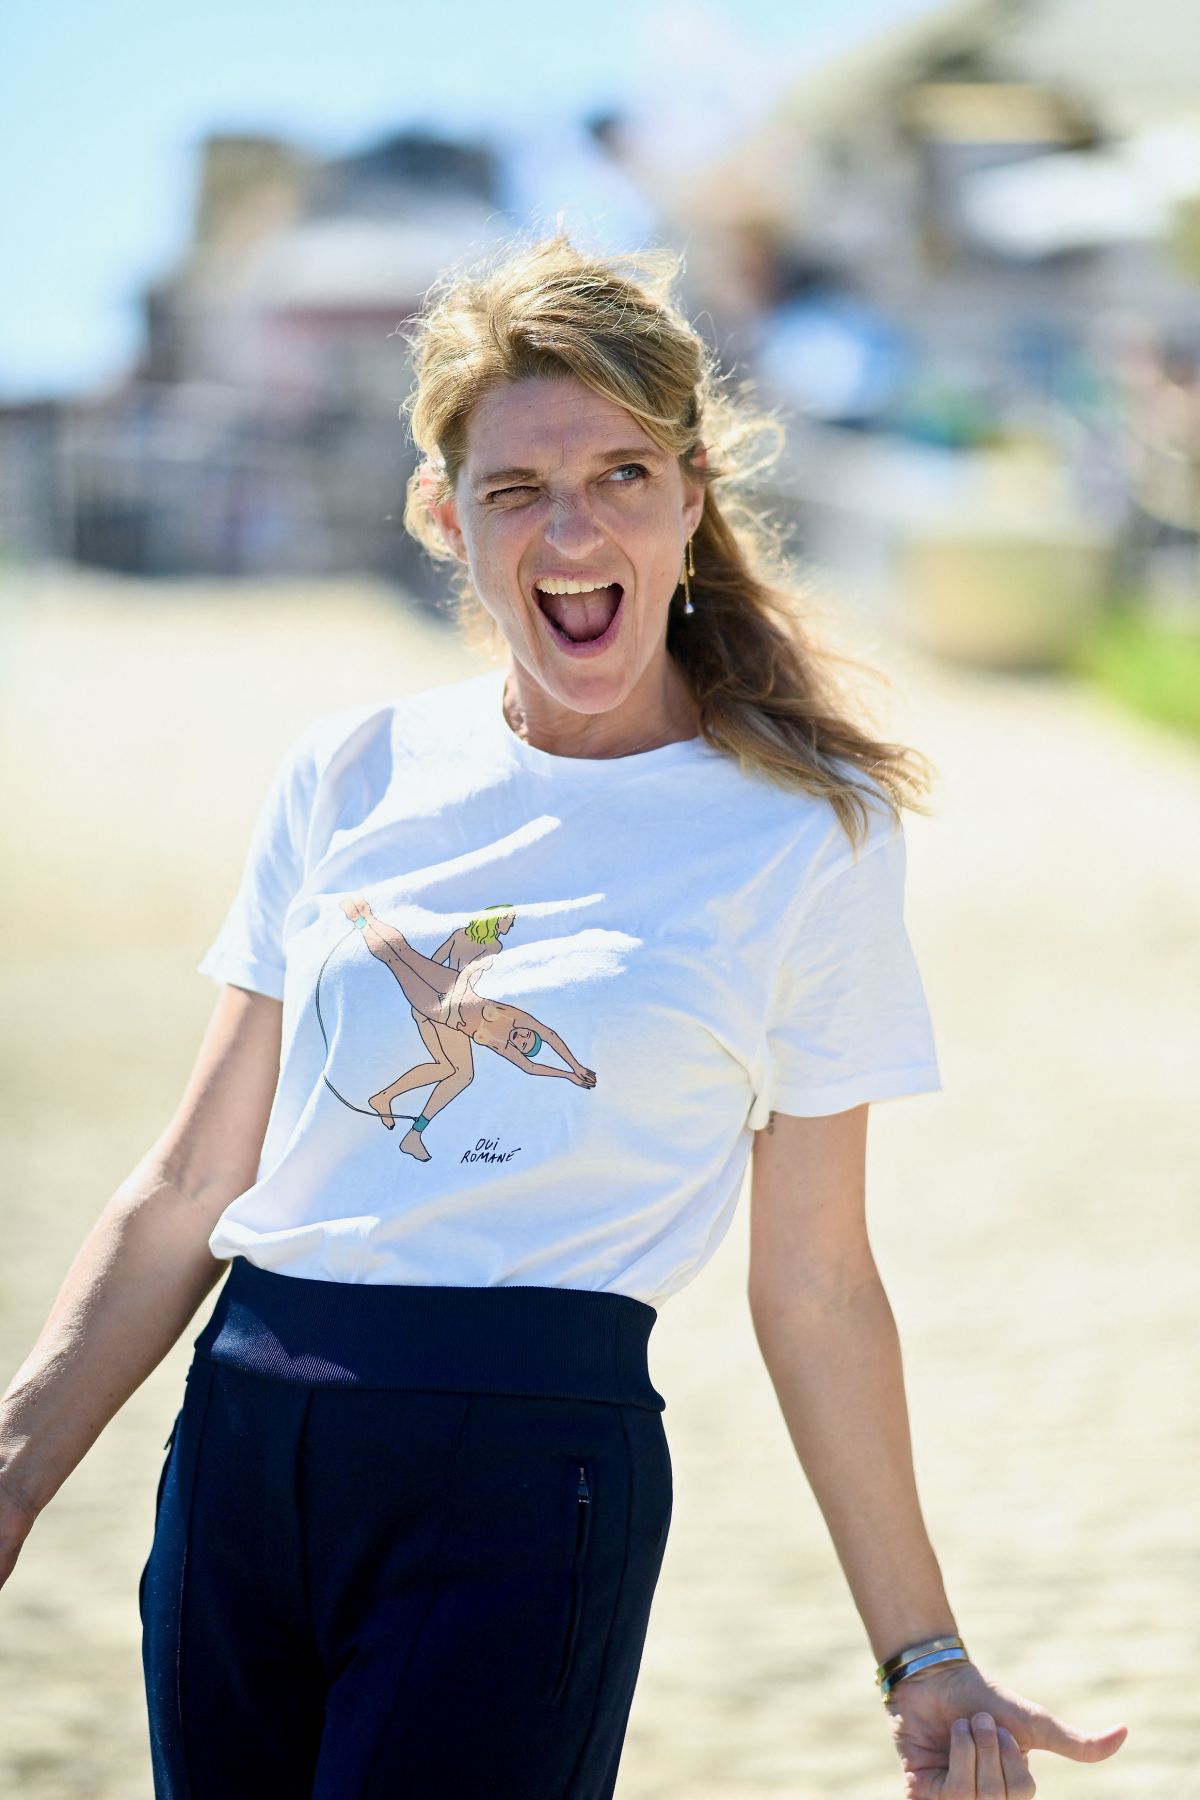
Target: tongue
{"x":582,"y":617}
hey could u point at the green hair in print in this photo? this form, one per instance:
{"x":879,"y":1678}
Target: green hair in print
{"x":482,"y":928}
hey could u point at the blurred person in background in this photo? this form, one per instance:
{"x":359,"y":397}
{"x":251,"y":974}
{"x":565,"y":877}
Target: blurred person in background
{"x":1161,"y":527}
{"x":417,"y":1496}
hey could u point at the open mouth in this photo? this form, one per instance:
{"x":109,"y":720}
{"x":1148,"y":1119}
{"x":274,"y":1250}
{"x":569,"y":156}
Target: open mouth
{"x":579,"y":620}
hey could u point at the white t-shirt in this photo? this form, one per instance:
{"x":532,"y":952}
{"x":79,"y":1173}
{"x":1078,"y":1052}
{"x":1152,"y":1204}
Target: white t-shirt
{"x":575,"y":986}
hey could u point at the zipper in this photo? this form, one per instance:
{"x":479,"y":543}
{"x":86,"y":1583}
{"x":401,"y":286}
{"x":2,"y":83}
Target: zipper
{"x":158,"y":1494}
{"x":166,"y":1463}
{"x":583,"y":1501}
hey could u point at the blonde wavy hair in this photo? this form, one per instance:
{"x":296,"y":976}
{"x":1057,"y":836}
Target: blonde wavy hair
{"x":482,"y":928}
{"x":766,"y":685}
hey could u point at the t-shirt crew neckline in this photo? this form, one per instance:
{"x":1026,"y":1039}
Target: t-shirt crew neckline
{"x":528,"y":756}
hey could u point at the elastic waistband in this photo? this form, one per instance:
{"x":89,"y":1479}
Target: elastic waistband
{"x":555,"y":1342}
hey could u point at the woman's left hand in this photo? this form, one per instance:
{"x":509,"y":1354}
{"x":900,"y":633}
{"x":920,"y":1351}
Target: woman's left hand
{"x":986,"y":1759}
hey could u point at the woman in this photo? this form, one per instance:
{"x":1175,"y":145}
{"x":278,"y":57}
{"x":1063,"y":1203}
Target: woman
{"x":413,"y":1514}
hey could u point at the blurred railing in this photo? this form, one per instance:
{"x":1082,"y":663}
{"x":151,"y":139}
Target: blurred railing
{"x":171,"y":479}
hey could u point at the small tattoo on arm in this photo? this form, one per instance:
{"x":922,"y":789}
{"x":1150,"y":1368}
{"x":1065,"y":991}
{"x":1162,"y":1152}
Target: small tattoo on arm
{"x":770,"y":1124}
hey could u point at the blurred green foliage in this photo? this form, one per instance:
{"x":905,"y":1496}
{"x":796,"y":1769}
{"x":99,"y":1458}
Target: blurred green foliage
{"x":1148,"y":662}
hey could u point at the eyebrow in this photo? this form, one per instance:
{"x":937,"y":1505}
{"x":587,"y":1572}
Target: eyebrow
{"x":623,"y":453}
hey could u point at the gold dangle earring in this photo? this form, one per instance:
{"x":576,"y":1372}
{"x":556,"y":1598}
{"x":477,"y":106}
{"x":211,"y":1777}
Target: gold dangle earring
{"x":689,"y":568}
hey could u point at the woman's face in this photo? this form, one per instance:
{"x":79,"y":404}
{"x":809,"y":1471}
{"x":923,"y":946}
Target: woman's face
{"x":573,"y":523}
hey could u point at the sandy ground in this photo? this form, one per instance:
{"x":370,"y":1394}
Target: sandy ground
{"x":1035,"y":1223}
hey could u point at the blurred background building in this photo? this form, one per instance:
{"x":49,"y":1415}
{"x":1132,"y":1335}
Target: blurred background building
{"x":963,"y":258}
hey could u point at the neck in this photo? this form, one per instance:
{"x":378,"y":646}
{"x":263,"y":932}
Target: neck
{"x":659,"y":710}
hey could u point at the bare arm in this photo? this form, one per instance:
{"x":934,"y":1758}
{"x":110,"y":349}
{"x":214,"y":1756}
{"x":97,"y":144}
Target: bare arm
{"x":143,"y":1268}
{"x":581,"y":1076}
{"x":828,"y":1337}
{"x":528,"y":1067}
{"x":554,"y":1041}
{"x":826,"y":1331}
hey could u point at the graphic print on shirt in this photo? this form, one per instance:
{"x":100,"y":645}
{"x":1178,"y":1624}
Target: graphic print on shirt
{"x":451,"y":1017}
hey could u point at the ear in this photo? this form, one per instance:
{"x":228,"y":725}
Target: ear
{"x":693,"y":502}
{"x":444,"y":513}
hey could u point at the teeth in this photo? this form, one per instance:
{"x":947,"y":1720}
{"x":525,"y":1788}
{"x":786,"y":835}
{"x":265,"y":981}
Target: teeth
{"x":573,"y":587}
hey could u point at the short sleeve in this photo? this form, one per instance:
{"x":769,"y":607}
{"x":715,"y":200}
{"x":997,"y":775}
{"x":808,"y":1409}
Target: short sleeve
{"x":848,"y":1019}
{"x":248,"y":950}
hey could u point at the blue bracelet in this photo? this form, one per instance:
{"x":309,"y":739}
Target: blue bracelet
{"x":888,"y":1682}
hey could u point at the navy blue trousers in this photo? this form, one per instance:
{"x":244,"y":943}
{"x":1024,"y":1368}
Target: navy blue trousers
{"x":406,"y":1543}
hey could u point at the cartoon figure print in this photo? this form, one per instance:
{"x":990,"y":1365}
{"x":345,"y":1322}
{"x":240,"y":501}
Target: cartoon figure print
{"x":451,"y":1016}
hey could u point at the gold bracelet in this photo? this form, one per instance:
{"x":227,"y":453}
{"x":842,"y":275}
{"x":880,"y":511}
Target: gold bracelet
{"x":952,"y":1642}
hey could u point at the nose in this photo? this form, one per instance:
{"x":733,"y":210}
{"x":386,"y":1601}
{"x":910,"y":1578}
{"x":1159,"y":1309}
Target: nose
{"x":571,"y":527}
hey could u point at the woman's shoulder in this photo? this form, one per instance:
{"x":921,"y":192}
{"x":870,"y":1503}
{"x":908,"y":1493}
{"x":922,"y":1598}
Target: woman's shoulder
{"x":801,"y":816}
{"x":393,"y":725}
{"x":788,"y":842}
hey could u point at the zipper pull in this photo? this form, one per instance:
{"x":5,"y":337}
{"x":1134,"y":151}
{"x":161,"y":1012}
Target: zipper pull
{"x":584,"y":1495}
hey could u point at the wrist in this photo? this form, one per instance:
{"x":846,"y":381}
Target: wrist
{"x":929,"y":1656}
{"x":18,"y":1490}
{"x":888,"y":1648}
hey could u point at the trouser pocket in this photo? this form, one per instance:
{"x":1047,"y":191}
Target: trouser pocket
{"x":162,"y":1482}
{"x":582,"y":1492}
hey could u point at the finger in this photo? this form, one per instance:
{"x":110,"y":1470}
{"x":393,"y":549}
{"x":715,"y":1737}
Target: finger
{"x":1019,"y":1782}
{"x":1050,"y":1733}
{"x":989,"y":1775}
{"x":960,"y":1771}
